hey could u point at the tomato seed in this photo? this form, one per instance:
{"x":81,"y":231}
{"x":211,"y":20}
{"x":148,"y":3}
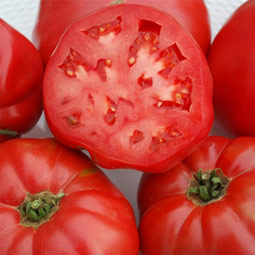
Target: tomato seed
{"x":131,"y":61}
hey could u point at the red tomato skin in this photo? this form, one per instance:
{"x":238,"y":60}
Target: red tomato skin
{"x":21,"y":72}
{"x":231,"y":59}
{"x":197,"y":135}
{"x":55,"y":16}
{"x":172,"y":224}
{"x":93,"y":217}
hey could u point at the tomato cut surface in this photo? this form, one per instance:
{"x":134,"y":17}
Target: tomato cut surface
{"x":131,"y":86}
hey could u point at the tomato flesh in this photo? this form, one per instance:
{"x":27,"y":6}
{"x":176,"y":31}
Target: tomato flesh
{"x":135,"y":87}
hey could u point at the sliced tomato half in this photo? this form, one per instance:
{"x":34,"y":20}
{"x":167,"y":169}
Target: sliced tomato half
{"x":128,"y":84}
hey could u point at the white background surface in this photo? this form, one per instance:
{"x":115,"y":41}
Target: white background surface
{"x":21,"y":14}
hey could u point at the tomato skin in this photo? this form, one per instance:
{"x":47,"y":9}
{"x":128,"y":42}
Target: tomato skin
{"x":93,"y":216}
{"x":231,"y":59}
{"x":172,"y":224}
{"x":55,"y":16}
{"x":76,"y":125}
{"x":21,"y":72}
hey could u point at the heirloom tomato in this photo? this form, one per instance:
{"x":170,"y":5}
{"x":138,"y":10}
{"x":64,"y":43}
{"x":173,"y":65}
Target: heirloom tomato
{"x":232,"y":63}
{"x":55,"y":16}
{"x":205,"y":205}
{"x":55,"y":201}
{"x":128,"y":84}
{"x":21,"y":72}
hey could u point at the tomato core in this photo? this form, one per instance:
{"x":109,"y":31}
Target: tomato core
{"x":207,"y":186}
{"x":38,"y":208}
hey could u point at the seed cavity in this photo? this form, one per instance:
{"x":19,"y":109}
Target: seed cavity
{"x":72,"y":62}
{"x":169,"y":133}
{"x":163,"y":138}
{"x":170,"y":57}
{"x":148,"y":36}
{"x":182,"y":93}
{"x":100,"y":68}
{"x":136,"y":137}
{"x":90,"y":103}
{"x":155,"y":143}
{"x":75,"y":60}
{"x":149,"y":26}
{"x":110,"y":115}
{"x":144,"y":82}
{"x":166,"y":104}
{"x":105,"y":29}
{"x":73,"y":120}
{"x":66,"y":100}
{"x":95,"y":134}
{"x":180,"y":97}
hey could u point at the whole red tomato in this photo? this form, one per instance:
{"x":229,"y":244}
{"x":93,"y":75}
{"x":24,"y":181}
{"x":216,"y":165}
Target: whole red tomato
{"x":135,"y":95}
{"x":55,"y":16}
{"x":205,"y":205}
{"x":21,"y":72}
{"x":55,"y":201}
{"x":232,"y":60}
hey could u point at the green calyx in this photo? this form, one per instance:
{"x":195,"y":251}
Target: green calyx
{"x":207,"y":186}
{"x":38,"y":208}
{"x":117,"y":2}
{"x":8,"y":132}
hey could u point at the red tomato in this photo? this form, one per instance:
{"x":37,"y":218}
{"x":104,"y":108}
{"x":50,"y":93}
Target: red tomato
{"x":176,"y":223}
{"x":134,"y":94}
{"x":21,"y":71}
{"x":54,"y":16}
{"x":232,"y":61}
{"x":55,"y":201}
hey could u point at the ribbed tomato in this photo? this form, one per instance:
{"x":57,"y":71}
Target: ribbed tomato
{"x":55,"y":201}
{"x":232,"y":60}
{"x":205,"y":205}
{"x":21,"y":72}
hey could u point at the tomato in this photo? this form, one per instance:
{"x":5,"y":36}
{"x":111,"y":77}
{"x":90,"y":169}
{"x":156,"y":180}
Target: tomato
{"x":231,"y":60}
{"x":55,"y":201}
{"x":21,"y":72}
{"x":210,"y":211}
{"x":54,"y":16}
{"x":134,"y":94}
